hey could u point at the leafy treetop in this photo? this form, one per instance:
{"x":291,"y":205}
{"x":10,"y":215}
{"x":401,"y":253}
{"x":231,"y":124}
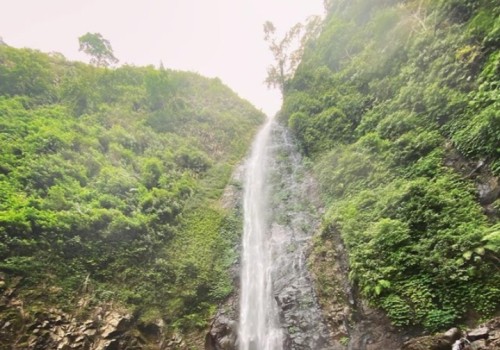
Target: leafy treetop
{"x":98,"y":48}
{"x":287,"y":52}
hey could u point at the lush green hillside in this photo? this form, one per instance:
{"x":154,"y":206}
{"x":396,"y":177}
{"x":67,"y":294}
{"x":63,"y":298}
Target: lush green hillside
{"x":110,"y":180}
{"x":397,"y":105}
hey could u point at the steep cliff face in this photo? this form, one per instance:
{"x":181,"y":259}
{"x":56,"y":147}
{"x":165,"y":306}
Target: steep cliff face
{"x":395,"y":105}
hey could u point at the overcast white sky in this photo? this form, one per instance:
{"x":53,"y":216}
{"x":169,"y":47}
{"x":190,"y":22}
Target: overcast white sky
{"x":216,"y":38}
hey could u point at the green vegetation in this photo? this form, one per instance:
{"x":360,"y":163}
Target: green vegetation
{"x":98,"y":48}
{"x":382,"y":100}
{"x":110,"y":183}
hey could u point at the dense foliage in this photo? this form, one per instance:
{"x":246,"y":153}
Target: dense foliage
{"x":110,"y":180}
{"x":389,"y":101}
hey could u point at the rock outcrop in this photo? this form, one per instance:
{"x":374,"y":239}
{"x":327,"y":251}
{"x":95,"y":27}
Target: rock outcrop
{"x":484,"y":337}
{"x":104,"y":327}
{"x":223,"y":334}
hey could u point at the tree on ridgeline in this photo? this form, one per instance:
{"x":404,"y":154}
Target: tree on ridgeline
{"x":94,"y":45}
{"x":288,"y":51}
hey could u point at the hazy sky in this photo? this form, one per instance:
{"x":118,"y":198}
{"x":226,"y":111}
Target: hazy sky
{"x":222,"y":38}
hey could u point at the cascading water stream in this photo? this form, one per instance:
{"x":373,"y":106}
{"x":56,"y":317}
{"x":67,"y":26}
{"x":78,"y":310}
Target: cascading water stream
{"x":278,"y":306}
{"x":259,"y":326}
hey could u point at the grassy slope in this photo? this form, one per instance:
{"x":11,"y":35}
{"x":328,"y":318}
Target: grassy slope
{"x":383,"y":97}
{"x":110,"y":183}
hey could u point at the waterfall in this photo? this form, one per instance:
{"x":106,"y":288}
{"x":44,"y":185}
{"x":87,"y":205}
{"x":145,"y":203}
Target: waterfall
{"x":278,"y":304}
{"x":259,"y":321}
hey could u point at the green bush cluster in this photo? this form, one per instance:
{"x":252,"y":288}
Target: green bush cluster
{"x":110,"y":180}
{"x":380,"y":99}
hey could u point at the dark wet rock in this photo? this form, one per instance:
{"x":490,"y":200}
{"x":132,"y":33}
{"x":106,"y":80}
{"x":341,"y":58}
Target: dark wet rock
{"x":487,"y":185}
{"x":152,"y":329}
{"x":113,"y":344}
{"x":287,"y":341}
{"x":223,"y":331}
{"x":488,"y":190}
{"x":287,"y":299}
{"x":223,"y":334}
{"x":478,"y":333}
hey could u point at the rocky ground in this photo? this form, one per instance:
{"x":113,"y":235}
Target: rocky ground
{"x":105,"y":327}
{"x":484,"y":337}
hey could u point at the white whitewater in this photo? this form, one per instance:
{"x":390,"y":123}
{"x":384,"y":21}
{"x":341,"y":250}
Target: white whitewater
{"x":259,"y":325}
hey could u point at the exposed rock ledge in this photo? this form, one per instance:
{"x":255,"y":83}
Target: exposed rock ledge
{"x":104,"y":327}
{"x":484,"y":337}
